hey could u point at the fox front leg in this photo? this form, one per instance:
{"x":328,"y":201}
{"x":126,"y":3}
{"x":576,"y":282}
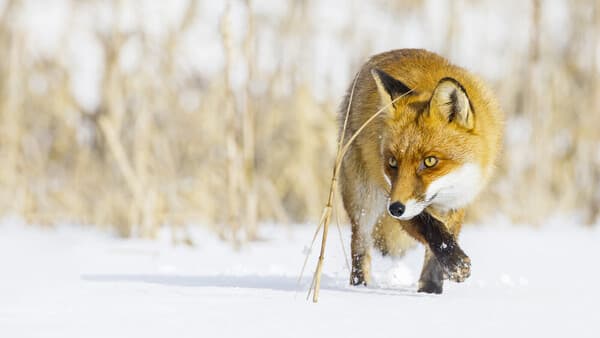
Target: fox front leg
{"x":432,"y":275}
{"x":361,"y":258}
{"x":455,"y":264}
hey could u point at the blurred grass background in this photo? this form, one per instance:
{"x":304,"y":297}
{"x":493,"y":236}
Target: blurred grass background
{"x":130,"y":115}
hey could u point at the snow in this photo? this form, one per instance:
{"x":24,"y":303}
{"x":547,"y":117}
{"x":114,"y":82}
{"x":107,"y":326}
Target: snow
{"x":73,"y":281}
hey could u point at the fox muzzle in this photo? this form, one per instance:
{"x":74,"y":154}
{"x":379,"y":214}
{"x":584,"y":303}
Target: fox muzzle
{"x":396,"y":209}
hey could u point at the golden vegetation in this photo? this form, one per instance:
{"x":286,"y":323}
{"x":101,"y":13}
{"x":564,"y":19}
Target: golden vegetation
{"x":166,"y":145}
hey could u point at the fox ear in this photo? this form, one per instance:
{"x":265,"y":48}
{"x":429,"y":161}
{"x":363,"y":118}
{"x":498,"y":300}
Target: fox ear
{"x":450,"y":101}
{"x":388,"y":87}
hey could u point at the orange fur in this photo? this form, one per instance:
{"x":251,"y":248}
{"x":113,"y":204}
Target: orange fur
{"x":448,"y":114}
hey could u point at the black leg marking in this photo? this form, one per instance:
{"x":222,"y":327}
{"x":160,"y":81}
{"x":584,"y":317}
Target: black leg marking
{"x":456,"y":265}
{"x":432,"y":275}
{"x":357,"y":276}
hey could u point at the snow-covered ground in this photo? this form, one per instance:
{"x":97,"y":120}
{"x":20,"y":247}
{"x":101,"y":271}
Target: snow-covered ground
{"x":76,"y":282}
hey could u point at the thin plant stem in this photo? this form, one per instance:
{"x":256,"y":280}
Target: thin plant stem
{"x":328,"y":207}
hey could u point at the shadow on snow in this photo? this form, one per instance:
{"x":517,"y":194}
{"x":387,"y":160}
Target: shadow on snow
{"x":277,"y":283}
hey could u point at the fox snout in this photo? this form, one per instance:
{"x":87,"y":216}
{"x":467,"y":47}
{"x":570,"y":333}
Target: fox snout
{"x":396,"y":209}
{"x":407,"y":210}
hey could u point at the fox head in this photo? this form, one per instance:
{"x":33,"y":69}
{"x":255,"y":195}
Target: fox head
{"x":430,"y":149}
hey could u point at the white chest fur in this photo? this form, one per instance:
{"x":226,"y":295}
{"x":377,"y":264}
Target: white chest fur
{"x":456,"y":189}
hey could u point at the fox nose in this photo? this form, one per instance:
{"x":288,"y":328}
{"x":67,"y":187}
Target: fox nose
{"x":396,"y":209}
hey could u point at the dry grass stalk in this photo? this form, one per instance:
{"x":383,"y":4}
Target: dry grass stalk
{"x":234,"y":180}
{"x":327,"y":210}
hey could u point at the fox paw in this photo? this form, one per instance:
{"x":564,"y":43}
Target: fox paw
{"x":430,"y":287}
{"x":455,"y":264}
{"x":358,"y":278}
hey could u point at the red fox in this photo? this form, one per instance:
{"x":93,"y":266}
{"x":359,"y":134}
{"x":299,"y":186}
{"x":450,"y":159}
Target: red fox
{"x":416,"y":166}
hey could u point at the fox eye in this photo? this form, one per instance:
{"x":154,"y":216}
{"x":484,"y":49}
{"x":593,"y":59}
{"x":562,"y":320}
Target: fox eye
{"x":430,"y":161}
{"x":393,"y":163}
